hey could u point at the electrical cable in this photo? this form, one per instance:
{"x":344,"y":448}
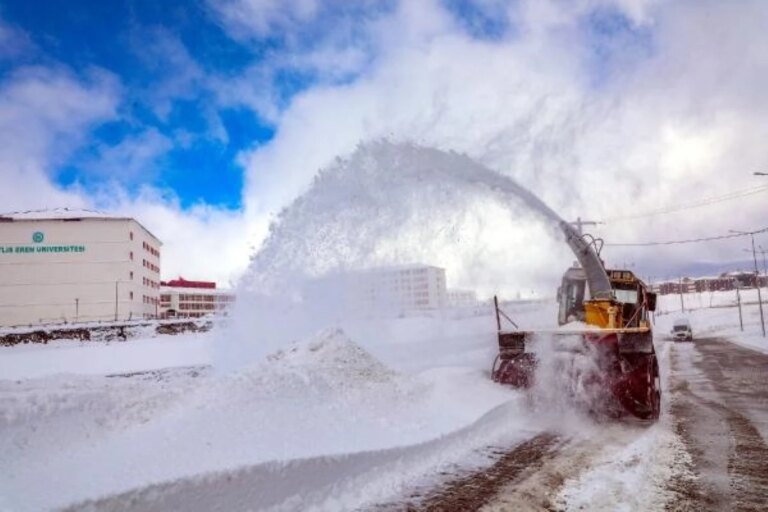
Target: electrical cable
{"x":737,"y":194}
{"x":689,"y":241}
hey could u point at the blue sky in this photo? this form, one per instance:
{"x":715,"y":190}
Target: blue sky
{"x":118,"y":36}
{"x":172,"y":61}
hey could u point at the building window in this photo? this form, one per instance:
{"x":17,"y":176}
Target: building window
{"x":130,"y":235}
{"x":130,"y":294}
{"x":130,"y":275}
{"x":131,"y":255}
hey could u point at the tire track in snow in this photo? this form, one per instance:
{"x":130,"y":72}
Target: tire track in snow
{"x":473,"y":491}
{"x":718,"y":387}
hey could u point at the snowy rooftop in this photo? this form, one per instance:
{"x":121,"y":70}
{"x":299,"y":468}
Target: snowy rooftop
{"x":65,"y":213}
{"x":60,"y":213}
{"x":197,"y":291}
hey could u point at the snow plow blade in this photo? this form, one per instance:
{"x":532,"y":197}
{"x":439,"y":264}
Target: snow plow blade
{"x":624,"y":379}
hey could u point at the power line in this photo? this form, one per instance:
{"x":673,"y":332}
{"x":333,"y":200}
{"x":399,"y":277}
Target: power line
{"x":737,"y":194}
{"x":689,"y":241}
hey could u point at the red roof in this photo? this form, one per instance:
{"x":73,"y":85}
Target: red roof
{"x":183,"y":283}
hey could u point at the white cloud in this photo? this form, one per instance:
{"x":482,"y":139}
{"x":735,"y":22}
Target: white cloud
{"x":132,"y":159}
{"x":247,"y":18}
{"x":44,"y":114}
{"x":673,"y":125}
{"x":201,"y":242}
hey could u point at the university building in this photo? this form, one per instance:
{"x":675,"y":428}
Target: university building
{"x":71,"y":265}
{"x":180,"y":298}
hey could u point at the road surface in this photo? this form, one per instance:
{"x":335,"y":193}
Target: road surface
{"x":717,"y":404}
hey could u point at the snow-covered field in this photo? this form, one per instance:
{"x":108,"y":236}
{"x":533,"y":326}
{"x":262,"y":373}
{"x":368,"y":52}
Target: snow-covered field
{"x":74,"y":428}
{"x":716,"y":314}
{"x":399,"y":400}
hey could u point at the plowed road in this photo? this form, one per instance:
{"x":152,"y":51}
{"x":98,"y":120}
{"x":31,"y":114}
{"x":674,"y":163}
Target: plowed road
{"x":718,"y":402}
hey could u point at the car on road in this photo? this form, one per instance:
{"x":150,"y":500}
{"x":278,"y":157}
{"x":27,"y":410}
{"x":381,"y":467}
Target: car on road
{"x":681,"y":330}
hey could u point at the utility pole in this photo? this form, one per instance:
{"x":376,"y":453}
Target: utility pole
{"x":738,"y":302}
{"x":680,"y":289}
{"x":761,"y":251}
{"x":580,"y":223}
{"x":116,"y":283}
{"x":757,"y":275}
{"x":757,"y":284}
{"x":77,"y":309}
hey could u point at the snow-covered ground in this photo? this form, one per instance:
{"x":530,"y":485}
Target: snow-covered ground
{"x":717,"y":314}
{"x":104,"y":358}
{"x":398,"y":400}
{"x":73,"y":428}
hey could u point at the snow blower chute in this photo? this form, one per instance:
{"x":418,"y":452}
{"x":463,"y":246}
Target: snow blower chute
{"x":613,"y":307}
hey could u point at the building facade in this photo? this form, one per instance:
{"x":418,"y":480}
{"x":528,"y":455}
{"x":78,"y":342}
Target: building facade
{"x":180,"y":298}
{"x":382,"y":291}
{"x":461,"y":298}
{"x":65,"y":265}
{"x":724,"y":282}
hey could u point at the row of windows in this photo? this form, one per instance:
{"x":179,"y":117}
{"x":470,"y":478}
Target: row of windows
{"x":146,"y":246}
{"x":204,"y":307}
{"x":152,"y":250}
{"x":147,"y":299}
{"x":196,"y":298}
{"x":148,"y":282}
{"x":151,"y":266}
{"x":166,"y":298}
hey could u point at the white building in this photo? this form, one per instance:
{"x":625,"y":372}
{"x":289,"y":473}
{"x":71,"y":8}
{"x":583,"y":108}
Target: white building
{"x":392,"y":290}
{"x":192,"y":299}
{"x":67,"y":265}
{"x":461,"y":298}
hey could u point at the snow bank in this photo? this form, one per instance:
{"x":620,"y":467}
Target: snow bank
{"x":321,"y":397}
{"x":101,"y":358}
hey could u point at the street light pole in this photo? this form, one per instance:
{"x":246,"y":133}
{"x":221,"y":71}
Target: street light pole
{"x":757,"y":283}
{"x":757,"y":275}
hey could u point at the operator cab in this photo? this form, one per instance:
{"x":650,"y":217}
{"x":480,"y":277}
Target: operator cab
{"x":570,"y":296}
{"x":631,"y":294}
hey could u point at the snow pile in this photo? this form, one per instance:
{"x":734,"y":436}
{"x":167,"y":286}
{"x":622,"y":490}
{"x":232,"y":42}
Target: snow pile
{"x":340,"y":360}
{"x":321,"y":397}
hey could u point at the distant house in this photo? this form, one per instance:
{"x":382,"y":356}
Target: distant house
{"x":724,"y":282}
